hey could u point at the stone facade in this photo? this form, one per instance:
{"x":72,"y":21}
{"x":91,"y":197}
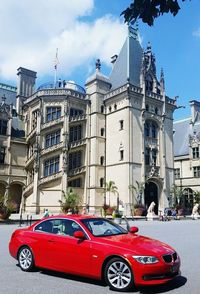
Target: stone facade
{"x":119,"y":128}
{"x":187,"y":156}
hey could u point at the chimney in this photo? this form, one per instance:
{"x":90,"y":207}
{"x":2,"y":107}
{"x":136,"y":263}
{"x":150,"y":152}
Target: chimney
{"x":195,"y":111}
{"x":25,"y":87}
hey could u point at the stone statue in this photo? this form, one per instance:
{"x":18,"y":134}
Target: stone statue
{"x":195,"y":212}
{"x":151,"y":209}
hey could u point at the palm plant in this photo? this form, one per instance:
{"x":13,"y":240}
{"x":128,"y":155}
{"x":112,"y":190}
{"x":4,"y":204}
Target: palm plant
{"x":197,"y":197}
{"x":71,"y":201}
{"x":112,"y":188}
{"x":6,"y":207}
{"x":137,"y":192}
{"x":177,"y":194}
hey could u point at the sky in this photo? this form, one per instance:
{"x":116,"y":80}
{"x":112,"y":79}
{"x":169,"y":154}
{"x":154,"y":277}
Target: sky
{"x":84,"y":30}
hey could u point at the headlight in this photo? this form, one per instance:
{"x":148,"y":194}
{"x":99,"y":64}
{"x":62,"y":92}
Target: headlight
{"x":145,"y":259}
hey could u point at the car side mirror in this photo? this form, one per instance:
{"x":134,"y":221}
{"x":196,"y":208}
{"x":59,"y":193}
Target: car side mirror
{"x":79,"y":235}
{"x":133,"y":230}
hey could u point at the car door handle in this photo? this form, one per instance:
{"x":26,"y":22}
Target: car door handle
{"x":51,"y":241}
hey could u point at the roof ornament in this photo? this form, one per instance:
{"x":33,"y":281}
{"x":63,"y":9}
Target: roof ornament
{"x":98,"y":64}
{"x":3,"y":99}
{"x":133,"y":30}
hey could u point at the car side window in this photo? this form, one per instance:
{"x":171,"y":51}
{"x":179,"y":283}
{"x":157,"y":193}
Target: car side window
{"x":45,"y":226}
{"x":59,"y":227}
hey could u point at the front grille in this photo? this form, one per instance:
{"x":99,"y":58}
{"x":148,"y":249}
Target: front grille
{"x":174,"y":256}
{"x":168,"y":258}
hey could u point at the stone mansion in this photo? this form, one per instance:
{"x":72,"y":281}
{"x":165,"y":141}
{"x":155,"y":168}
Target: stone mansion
{"x":117,"y":128}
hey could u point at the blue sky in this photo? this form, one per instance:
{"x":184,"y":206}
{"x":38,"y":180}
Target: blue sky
{"x":84,"y":30}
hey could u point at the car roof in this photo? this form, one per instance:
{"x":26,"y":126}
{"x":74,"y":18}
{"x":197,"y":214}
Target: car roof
{"x":65,"y":216}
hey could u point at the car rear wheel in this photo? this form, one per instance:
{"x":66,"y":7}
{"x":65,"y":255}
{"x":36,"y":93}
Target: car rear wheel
{"x":25,"y":259}
{"x":118,"y":274}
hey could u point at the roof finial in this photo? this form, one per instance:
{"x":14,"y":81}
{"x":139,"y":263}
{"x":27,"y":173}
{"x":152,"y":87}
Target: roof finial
{"x":98,"y":64}
{"x":3,"y":98}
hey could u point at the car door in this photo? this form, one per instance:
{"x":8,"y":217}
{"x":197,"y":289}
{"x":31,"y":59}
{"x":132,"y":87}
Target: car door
{"x":69,"y":254}
{"x":41,"y":242}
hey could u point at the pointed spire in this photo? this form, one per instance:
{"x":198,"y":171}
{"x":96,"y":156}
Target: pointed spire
{"x":162,"y":79}
{"x":148,"y":47}
{"x":133,"y":30}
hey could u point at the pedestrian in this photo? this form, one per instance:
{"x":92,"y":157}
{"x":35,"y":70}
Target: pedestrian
{"x":46,"y":213}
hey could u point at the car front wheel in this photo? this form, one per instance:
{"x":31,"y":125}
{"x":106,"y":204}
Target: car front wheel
{"x":118,"y":275}
{"x":25,"y":259}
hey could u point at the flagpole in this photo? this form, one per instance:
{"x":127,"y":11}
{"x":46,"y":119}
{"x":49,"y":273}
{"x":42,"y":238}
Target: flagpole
{"x":55,"y":68}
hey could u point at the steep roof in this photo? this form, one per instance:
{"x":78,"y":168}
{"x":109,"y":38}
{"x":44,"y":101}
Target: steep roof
{"x":127,"y":67}
{"x":182,"y":130}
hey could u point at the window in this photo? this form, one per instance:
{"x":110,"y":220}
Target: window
{"x":2,"y":155}
{"x":121,"y":123}
{"x":110,"y":108}
{"x":102,"y":109}
{"x":147,"y":107}
{"x":52,"y":139}
{"x":34,"y":119}
{"x":156,"y":110}
{"x":102,"y":131}
{"x":75,"y":112}
{"x":115,"y":106}
{"x":75,"y":133}
{"x":59,"y":227}
{"x":53,"y":113}
{"x":150,"y":129}
{"x":3,"y":127}
{"x":51,"y":166}
{"x":154,"y":156}
{"x":147,"y":129}
{"x":195,"y":152}
{"x":102,"y":160}
{"x":196,"y":171}
{"x":153,"y":131}
{"x":147,"y":156}
{"x":149,"y":84}
{"x":121,"y":154}
{"x":101,"y":182}
{"x":75,"y":160}
{"x":177,"y":173}
{"x":75,"y":183}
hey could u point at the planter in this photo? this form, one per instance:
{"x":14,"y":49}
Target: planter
{"x":4,"y":215}
{"x":138,"y":211}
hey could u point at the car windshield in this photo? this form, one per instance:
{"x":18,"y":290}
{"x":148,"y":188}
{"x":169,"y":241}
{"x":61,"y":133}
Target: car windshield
{"x":100,"y":227}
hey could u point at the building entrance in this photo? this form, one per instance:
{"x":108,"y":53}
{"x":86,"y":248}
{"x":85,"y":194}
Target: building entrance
{"x":151,"y":194}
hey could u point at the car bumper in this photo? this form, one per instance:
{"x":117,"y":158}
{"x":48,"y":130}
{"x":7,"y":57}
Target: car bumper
{"x":155,"y":274}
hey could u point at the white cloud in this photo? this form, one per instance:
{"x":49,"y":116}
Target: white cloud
{"x":196,"y":33}
{"x":32,"y":30}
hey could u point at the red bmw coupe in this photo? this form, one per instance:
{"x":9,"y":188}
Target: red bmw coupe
{"x":97,"y":248}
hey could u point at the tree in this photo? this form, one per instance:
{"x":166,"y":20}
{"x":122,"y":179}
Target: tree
{"x":137,"y":192}
{"x":177,"y":194}
{"x":112,"y":188}
{"x":148,"y":10}
{"x":71,"y":200}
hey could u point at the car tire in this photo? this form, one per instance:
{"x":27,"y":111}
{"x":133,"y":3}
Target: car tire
{"x":26,"y":259}
{"x":118,"y":275}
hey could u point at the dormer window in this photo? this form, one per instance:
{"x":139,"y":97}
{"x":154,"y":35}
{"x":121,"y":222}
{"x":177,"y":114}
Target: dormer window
{"x":195,"y":152}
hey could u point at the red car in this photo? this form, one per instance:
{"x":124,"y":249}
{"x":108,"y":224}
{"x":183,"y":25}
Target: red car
{"x":97,"y":248}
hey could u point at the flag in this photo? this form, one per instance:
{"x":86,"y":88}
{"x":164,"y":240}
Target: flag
{"x":56,"y":61}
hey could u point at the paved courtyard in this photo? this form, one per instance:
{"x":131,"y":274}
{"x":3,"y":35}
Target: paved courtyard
{"x":183,"y":235}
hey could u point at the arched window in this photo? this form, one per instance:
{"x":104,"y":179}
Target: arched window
{"x":150,"y":129}
{"x":147,"y":107}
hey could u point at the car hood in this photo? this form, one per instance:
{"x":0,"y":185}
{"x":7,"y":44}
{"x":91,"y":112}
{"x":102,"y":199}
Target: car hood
{"x":138,"y":244}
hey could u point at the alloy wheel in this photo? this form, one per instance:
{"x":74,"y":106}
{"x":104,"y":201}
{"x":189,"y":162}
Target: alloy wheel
{"x":25,"y":259}
{"x":119,"y":275}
